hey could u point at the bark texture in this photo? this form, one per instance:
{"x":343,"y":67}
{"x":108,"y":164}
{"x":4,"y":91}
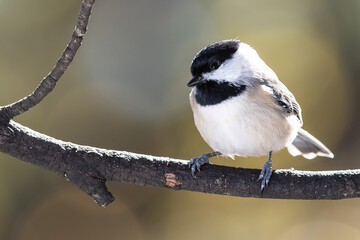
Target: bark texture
{"x":89,"y":168}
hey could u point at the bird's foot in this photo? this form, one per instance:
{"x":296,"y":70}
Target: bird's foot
{"x":266,"y":172}
{"x":197,"y":162}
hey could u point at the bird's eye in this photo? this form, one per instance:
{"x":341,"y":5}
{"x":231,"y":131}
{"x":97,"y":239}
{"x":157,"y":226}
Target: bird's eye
{"x":214,"y":65}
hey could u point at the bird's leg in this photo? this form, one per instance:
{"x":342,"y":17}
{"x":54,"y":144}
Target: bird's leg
{"x":266,"y":172}
{"x":196,"y":163}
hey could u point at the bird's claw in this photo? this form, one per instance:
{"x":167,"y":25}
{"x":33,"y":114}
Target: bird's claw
{"x":196,"y":163}
{"x":265,"y":175}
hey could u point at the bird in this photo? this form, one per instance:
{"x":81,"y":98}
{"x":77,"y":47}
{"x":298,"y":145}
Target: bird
{"x":241,"y":108}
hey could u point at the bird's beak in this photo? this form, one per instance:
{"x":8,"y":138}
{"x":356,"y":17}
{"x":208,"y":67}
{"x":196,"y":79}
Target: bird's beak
{"x":195,"y":81}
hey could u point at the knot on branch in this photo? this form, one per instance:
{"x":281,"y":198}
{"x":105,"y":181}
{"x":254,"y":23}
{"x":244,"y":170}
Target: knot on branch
{"x":170,"y":180}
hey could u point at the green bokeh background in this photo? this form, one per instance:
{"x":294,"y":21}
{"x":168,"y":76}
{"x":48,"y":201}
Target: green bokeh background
{"x":126,"y":90}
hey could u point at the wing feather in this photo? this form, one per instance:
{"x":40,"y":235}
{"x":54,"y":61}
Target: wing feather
{"x":283,"y":97}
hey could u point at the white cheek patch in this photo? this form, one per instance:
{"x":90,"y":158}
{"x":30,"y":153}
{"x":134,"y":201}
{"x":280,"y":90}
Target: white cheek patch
{"x":230,"y":71}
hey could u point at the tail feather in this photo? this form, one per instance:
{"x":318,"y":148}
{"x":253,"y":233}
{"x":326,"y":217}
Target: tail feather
{"x":308,"y":146}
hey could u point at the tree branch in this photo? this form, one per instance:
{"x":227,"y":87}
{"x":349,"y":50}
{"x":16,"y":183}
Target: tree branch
{"x":49,"y":82}
{"x":90,"y":168}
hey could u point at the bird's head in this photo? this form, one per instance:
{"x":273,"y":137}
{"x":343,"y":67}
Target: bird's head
{"x":229,"y":61}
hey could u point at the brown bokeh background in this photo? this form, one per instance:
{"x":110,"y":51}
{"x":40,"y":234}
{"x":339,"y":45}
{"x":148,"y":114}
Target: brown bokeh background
{"x":126,"y":90}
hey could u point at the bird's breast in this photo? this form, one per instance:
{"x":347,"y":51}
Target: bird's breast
{"x":244,"y":125}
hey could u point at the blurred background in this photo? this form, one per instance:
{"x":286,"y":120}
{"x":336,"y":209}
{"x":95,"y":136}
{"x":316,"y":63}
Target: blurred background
{"x":126,"y":90}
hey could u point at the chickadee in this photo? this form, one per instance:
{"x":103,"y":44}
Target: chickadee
{"x":241,"y":108}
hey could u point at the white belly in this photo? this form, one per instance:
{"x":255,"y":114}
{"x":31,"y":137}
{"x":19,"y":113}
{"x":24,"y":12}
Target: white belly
{"x":244,"y":126}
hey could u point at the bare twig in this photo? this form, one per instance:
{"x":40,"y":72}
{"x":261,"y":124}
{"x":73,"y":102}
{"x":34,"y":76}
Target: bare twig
{"x":48,"y":83}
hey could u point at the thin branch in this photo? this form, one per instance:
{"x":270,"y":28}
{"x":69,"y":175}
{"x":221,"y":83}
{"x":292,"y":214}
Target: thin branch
{"x":90,"y":168}
{"x":49,"y":82}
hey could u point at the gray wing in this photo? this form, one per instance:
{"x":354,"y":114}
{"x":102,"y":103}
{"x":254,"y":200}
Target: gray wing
{"x":284,"y":98}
